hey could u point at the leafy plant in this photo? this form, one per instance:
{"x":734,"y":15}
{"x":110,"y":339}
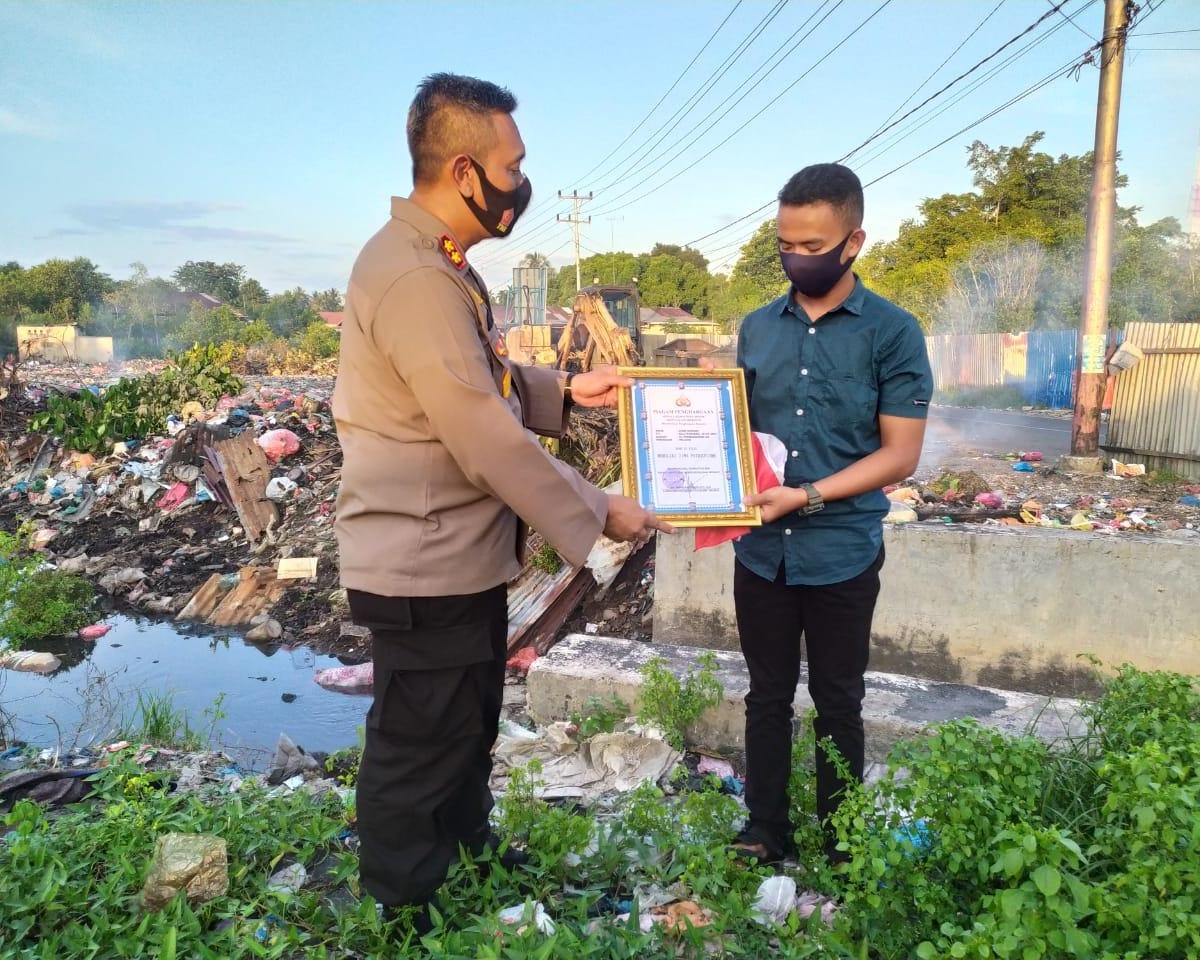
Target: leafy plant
{"x":674,"y":705}
{"x":45,"y":603}
{"x":131,"y":409}
{"x":599,"y":717}
{"x":547,"y":559}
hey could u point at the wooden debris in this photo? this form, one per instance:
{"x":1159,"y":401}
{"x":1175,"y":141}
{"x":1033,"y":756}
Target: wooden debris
{"x":297,"y":568}
{"x":226,"y":602}
{"x":244,"y":472}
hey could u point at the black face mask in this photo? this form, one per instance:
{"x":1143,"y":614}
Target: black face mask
{"x":504,"y":207}
{"x":815,"y":274}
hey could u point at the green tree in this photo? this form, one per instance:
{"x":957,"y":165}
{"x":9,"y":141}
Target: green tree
{"x":668,"y":281}
{"x":330,"y":300}
{"x":220,"y":280}
{"x":289,"y":312}
{"x":319,"y":340}
{"x":686,"y":254}
{"x":205,"y":326}
{"x":757,"y":269}
{"x":252,"y":297}
{"x":62,"y":288}
{"x":534,"y":259}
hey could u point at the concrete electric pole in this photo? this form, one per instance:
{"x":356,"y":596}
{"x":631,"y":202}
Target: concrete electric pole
{"x":575,"y":220}
{"x":1093,"y":328}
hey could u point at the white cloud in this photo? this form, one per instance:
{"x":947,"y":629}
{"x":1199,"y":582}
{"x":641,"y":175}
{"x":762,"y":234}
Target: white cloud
{"x":17,"y":125}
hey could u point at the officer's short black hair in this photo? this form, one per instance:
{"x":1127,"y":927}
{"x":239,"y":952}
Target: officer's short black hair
{"x":829,"y":183}
{"x":452,"y":114}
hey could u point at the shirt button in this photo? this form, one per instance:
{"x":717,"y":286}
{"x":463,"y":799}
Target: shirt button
{"x":788,"y":531}
{"x":804,"y":372}
{"x":799,"y":413}
{"x":812,"y":329}
{"x":795,"y":453}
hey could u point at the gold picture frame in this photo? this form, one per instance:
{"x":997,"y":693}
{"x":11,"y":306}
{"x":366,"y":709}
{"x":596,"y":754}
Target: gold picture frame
{"x":728,"y":469}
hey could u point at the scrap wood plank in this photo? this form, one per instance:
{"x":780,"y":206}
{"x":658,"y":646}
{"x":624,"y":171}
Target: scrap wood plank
{"x":246,"y":472}
{"x":204,"y":601}
{"x":256,"y":592}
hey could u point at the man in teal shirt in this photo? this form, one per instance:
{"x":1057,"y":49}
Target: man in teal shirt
{"x":841,"y":376}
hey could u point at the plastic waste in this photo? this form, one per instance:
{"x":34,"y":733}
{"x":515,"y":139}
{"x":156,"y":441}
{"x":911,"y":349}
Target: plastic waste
{"x":776,"y":898}
{"x":289,"y":880}
{"x":94,"y":632}
{"x":358,"y":678}
{"x":523,"y":659}
{"x":993,"y":501}
{"x":527,"y":913}
{"x":278,"y":444}
{"x":716,"y":766}
{"x":1024,"y":466}
{"x":280,"y":488}
{"x":1032,"y":456}
{"x":1190,"y":500}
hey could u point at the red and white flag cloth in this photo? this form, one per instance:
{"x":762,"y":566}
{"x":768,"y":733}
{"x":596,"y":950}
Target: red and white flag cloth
{"x":770,"y":456}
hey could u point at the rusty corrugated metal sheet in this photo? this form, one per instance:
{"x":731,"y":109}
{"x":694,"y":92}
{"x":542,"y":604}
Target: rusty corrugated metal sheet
{"x":966,"y":360}
{"x":1156,"y":408}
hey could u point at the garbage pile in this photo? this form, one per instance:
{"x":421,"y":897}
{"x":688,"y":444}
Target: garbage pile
{"x":1127,"y":499}
{"x":248,"y":484}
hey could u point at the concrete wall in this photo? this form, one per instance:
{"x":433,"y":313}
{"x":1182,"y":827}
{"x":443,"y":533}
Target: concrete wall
{"x":63,"y":342}
{"x":1003,"y":607}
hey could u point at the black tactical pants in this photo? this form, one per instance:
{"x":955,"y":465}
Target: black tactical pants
{"x":423,"y":783}
{"x":835,"y":621}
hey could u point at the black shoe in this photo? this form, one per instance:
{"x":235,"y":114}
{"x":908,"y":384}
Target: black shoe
{"x":754,"y":847}
{"x":508,"y":859}
{"x":419,"y":920}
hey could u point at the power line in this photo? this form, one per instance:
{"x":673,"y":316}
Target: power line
{"x":1072,"y":22}
{"x":938,"y":68}
{"x":1167,"y":33}
{"x":692,"y":101}
{"x":962,"y":76}
{"x":771,"y":103}
{"x":679,"y":78}
{"x":917,"y":124}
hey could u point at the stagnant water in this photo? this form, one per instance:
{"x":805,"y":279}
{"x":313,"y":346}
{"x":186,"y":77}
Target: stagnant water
{"x":94,"y":695}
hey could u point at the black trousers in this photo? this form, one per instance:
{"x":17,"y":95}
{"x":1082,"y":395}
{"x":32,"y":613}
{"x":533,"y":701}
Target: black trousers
{"x":835,"y":622}
{"x":423,"y":782}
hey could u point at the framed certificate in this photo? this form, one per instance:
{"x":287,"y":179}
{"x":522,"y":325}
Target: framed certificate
{"x":686,"y":452}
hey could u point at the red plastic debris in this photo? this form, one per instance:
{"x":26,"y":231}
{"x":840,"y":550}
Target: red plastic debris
{"x":278,"y":444}
{"x":174,"y":497}
{"x":94,"y":632}
{"x":522,"y":659}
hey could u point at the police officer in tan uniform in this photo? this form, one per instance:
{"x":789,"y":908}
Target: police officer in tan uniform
{"x":442,"y":470}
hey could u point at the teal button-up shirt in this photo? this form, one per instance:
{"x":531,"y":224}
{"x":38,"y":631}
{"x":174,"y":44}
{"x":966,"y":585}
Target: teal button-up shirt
{"x":820,"y":388}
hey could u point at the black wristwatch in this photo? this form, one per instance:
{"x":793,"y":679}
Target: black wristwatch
{"x":816,"y":503}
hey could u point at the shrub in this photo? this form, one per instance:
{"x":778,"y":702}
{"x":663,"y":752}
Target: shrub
{"x":318,"y":340}
{"x":46,"y":603}
{"x":673,"y":705}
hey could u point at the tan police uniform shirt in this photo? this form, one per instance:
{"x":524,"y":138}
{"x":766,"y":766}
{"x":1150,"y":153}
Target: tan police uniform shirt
{"x":437,"y":431}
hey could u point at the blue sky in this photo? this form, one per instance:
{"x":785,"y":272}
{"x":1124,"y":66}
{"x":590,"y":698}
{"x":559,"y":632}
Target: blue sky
{"x":272,"y":134}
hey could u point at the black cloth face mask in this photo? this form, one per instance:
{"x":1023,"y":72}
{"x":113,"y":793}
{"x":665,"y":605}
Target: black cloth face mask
{"x":504,"y":207}
{"x":815,"y":274}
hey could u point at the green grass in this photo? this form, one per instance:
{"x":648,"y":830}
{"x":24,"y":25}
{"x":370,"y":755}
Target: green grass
{"x":1087,"y":850}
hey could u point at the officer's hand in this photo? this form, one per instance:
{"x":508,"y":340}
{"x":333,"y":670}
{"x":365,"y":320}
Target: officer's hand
{"x":629,"y":520}
{"x":777,"y":501}
{"x":598,"y":387}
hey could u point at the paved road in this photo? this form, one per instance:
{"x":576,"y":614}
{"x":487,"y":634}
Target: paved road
{"x":956,"y":431}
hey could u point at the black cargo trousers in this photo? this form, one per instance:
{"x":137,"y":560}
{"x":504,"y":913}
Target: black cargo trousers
{"x":423,"y":782}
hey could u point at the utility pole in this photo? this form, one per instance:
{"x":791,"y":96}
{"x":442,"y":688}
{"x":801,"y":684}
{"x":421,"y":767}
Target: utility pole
{"x":1093,"y":328}
{"x":612,"y":244}
{"x":577,"y":199}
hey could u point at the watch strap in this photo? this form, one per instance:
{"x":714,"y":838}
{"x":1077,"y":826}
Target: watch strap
{"x":815,"y":501}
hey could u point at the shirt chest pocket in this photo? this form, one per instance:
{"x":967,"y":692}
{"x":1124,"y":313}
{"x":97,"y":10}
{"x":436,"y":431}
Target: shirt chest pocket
{"x":847,"y":387}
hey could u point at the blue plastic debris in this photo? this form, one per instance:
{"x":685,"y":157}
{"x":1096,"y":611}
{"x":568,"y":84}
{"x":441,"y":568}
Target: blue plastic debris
{"x":1190,"y":500}
{"x":733,"y":785}
{"x":1024,"y":466}
{"x":915,"y":833}
{"x":10,"y":753}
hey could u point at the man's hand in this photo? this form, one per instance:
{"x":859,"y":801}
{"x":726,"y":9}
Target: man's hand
{"x":598,"y":388}
{"x":777,"y":501}
{"x":629,"y":520}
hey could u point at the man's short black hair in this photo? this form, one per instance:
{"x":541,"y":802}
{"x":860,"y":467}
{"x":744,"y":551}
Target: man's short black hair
{"x":452,"y":114}
{"x":829,"y":183}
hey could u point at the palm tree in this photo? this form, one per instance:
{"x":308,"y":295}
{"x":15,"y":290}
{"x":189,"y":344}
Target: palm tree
{"x":535,"y":259}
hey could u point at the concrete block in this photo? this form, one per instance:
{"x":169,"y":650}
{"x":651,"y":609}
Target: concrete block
{"x":998,"y":606}
{"x":580,"y":667}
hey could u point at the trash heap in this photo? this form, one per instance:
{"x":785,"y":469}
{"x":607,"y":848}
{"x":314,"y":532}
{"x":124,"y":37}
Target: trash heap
{"x":1127,"y":499}
{"x":247,"y":485}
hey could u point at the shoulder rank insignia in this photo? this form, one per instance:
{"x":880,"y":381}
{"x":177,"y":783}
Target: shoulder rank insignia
{"x":506,"y":384}
{"x":452,"y":253}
